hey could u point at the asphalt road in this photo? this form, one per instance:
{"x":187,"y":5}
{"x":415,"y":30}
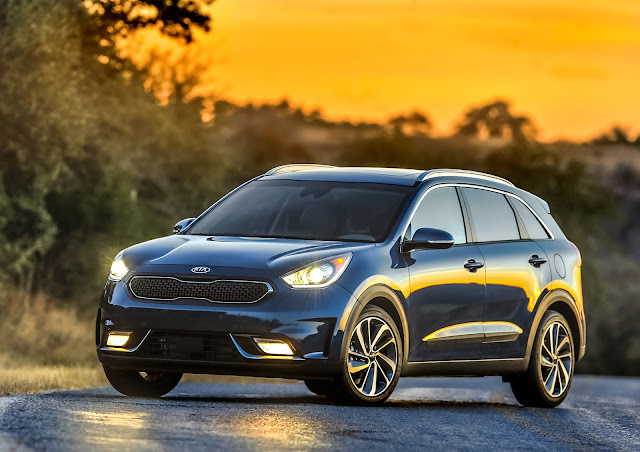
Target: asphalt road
{"x":423,"y":414}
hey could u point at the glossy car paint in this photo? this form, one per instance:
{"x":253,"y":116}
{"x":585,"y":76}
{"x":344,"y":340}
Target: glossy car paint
{"x":444,"y":293}
{"x":424,"y":291}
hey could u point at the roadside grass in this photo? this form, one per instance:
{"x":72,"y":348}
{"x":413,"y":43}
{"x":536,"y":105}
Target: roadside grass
{"x":38,"y":378}
{"x":46,"y":345}
{"x":44,"y":331}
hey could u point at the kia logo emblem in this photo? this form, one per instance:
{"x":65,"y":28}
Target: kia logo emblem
{"x":200,"y":270}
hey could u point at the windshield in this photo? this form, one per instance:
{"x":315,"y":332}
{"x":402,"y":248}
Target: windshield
{"x":313,"y":210}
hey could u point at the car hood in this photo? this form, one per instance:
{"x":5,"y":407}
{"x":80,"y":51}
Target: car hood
{"x":233,"y":252}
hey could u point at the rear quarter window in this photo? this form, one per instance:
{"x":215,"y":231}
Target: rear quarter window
{"x":531,"y":223}
{"x":492,"y":216}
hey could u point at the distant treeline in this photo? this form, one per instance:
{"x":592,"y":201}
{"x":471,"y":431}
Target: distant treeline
{"x":91,"y":162}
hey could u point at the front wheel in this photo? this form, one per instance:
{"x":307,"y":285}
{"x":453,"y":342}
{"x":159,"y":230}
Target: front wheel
{"x":141,"y":384}
{"x":547,"y":381}
{"x":373,"y":360}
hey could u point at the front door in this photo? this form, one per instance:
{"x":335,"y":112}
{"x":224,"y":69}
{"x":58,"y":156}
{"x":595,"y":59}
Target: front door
{"x":447,"y":286}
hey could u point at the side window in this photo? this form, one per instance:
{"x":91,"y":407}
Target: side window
{"x":492,"y":216}
{"x":440,"y":209}
{"x":531,"y":223}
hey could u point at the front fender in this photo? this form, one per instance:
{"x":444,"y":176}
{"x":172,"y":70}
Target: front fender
{"x":369,"y":295}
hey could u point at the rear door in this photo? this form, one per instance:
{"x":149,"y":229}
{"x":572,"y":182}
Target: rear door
{"x":447,"y":298}
{"x":516,"y":268}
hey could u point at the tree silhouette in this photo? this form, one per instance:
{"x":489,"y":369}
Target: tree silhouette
{"x":498,"y":121}
{"x":174,"y":75}
{"x":173,"y":18}
{"x":115,"y":20}
{"x":414,"y":123}
{"x":617,"y":135}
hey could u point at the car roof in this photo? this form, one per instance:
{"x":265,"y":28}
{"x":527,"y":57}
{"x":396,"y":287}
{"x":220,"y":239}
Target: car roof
{"x":396,"y":176}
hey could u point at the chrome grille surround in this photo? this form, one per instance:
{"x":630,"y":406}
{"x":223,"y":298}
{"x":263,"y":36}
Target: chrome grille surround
{"x":169,"y":288}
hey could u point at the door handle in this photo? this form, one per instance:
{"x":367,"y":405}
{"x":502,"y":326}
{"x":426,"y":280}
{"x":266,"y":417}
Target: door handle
{"x":472,"y":265}
{"x":536,"y":261}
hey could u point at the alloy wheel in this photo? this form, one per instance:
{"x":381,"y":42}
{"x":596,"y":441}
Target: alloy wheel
{"x":372,"y":358}
{"x":556,"y":359}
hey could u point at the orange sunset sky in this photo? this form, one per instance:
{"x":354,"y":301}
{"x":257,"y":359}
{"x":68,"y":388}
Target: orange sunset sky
{"x":572,"y":65}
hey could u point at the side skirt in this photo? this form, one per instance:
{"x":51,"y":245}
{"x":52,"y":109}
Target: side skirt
{"x":465,"y":368}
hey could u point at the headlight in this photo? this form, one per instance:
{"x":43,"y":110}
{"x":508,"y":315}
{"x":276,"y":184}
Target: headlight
{"x":322,"y":273}
{"x":118,"y":268}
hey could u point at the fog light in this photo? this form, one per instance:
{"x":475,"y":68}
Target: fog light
{"x":118,"y":339}
{"x":274,"y":347}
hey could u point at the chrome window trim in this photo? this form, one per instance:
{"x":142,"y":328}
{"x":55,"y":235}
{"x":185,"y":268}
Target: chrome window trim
{"x":479,"y":187}
{"x":269,"y":289}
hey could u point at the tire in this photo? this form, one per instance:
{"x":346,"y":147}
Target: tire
{"x":141,"y":384}
{"x":372,"y":362}
{"x":326,"y":388}
{"x":553,"y":352}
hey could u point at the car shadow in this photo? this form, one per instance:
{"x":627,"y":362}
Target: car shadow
{"x":294,"y":400}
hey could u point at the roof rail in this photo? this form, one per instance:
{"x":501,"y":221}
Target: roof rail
{"x":295,"y":167}
{"x":464,"y":173}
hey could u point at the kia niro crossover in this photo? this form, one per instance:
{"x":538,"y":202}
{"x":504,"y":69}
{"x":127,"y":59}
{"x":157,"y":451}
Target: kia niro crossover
{"x":348,"y":278}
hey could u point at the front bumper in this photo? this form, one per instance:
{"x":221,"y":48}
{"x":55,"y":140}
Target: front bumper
{"x":197,"y":336}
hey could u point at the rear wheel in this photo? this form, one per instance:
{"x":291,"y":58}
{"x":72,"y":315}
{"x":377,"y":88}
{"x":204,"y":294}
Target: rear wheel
{"x":141,"y":384}
{"x":547,"y":381}
{"x":373,"y":360}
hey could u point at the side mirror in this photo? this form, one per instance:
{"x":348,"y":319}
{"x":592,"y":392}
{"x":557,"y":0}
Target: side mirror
{"x":428,"y":238}
{"x":180,"y":225}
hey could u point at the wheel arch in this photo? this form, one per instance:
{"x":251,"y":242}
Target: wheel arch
{"x":387,"y":299}
{"x":561,"y":301}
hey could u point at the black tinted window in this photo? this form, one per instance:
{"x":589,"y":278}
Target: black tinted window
{"x":492,"y":216}
{"x":307,"y":210}
{"x":440,"y":209}
{"x":531,"y":223}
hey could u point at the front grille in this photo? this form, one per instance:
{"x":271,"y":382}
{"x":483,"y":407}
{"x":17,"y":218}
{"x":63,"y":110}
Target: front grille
{"x":223,"y":291}
{"x":189,"y":346}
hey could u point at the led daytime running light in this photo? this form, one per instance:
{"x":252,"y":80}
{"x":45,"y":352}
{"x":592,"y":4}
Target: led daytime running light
{"x":319,"y":274}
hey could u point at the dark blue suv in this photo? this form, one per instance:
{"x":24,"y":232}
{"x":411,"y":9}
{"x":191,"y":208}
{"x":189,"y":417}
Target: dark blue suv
{"x":348,"y":278}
